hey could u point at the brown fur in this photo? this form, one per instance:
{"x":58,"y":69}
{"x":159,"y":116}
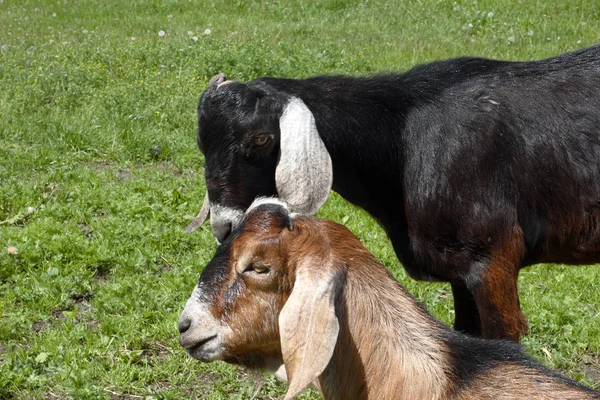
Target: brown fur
{"x":513,"y":382}
{"x":388,"y":346}
{"x":497,"y":296}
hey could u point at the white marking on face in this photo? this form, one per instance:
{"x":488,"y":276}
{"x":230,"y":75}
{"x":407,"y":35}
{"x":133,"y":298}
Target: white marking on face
{"x":268,"y":200}
{"x":203,"y":339}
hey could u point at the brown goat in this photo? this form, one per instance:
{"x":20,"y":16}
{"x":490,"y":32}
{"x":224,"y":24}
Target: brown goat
{"x":304,"y":293}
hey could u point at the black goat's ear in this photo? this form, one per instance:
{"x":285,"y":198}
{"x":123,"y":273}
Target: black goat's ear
{"x":304,"y":173}
{"x":216,"y":80}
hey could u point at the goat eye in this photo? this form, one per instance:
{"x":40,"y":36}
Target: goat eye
{"x":261,"y":140}
{"x":259,"y":269}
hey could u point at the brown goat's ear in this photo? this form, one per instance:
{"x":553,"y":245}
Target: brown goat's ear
{"x":304,"y":174}
{"x":308,"y":326}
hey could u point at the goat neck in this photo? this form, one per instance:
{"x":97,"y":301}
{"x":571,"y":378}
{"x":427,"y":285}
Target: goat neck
{"x":388,"y":346}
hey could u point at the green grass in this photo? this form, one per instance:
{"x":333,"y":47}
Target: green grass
{"x":99,"y":173}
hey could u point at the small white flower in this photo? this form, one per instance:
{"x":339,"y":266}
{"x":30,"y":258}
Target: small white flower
{"x":190,"y":33}
{"x":84,"y":31}
{"x":4,"y":47}
{"x":133,"y":38}
{"x":530,"y":32}
{"x":456,"y":7}
{"x":207,"y":31}
{"x":511,"y":39}
{"x":161,"y":33}
{"x":579,"y":42}
{"x":195,"y":38}
{"x":490,"y":14}
{"x":54,"y":15}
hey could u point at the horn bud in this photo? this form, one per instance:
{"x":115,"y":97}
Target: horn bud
{"x":216,"y":80}
{"x":201,"y":217}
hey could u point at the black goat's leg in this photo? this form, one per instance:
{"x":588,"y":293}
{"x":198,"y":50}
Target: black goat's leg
{"x":495,"y":292}
{"x":465,"y":311}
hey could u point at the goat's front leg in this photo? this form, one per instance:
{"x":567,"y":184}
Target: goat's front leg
{"x":465,"y":311}
{"x":497,"y":297}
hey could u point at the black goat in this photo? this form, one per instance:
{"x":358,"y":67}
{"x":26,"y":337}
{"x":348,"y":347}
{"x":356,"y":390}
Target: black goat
{"x":474,"y":167}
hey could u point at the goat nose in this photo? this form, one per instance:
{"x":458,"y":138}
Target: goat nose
{"x":222,"y":230}
{"x":184,"y":325}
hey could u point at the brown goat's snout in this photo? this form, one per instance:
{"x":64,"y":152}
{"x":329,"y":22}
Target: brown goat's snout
{"x":199,"y":332}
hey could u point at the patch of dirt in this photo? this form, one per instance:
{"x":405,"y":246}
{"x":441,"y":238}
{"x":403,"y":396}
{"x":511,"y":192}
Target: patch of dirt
{"x":87,"y":231}
{"x":100,"y":280}
{"x":169,"y":167}
{"x":592,"y":371}
{"x":156,"y":352}
{"x":92,"y":324}
{"x":164,"y":266}
{"x":99,"y":166}
{"x":103,"y":269}
{"x":80,"y":298}
{"x":203,"y":381}
{"x":50,"y":395}
{"x":81,"y":303}
{"x":121,"y":396}
{"x":124,"y":174}
{"x":39,"y":326}
{"x":591,"y":366}
{"x":100,"y":213}
{"x":58,"y":314}
{"x":162,"y":385}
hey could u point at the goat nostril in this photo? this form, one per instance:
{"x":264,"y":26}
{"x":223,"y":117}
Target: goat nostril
{"x":222,"y":231}
{"x":227,"y":231}
{"x":184,"y":325}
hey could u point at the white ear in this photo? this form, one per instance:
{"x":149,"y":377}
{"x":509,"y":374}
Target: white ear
{"x":304,"y":174}
{"x":308,"y":326}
